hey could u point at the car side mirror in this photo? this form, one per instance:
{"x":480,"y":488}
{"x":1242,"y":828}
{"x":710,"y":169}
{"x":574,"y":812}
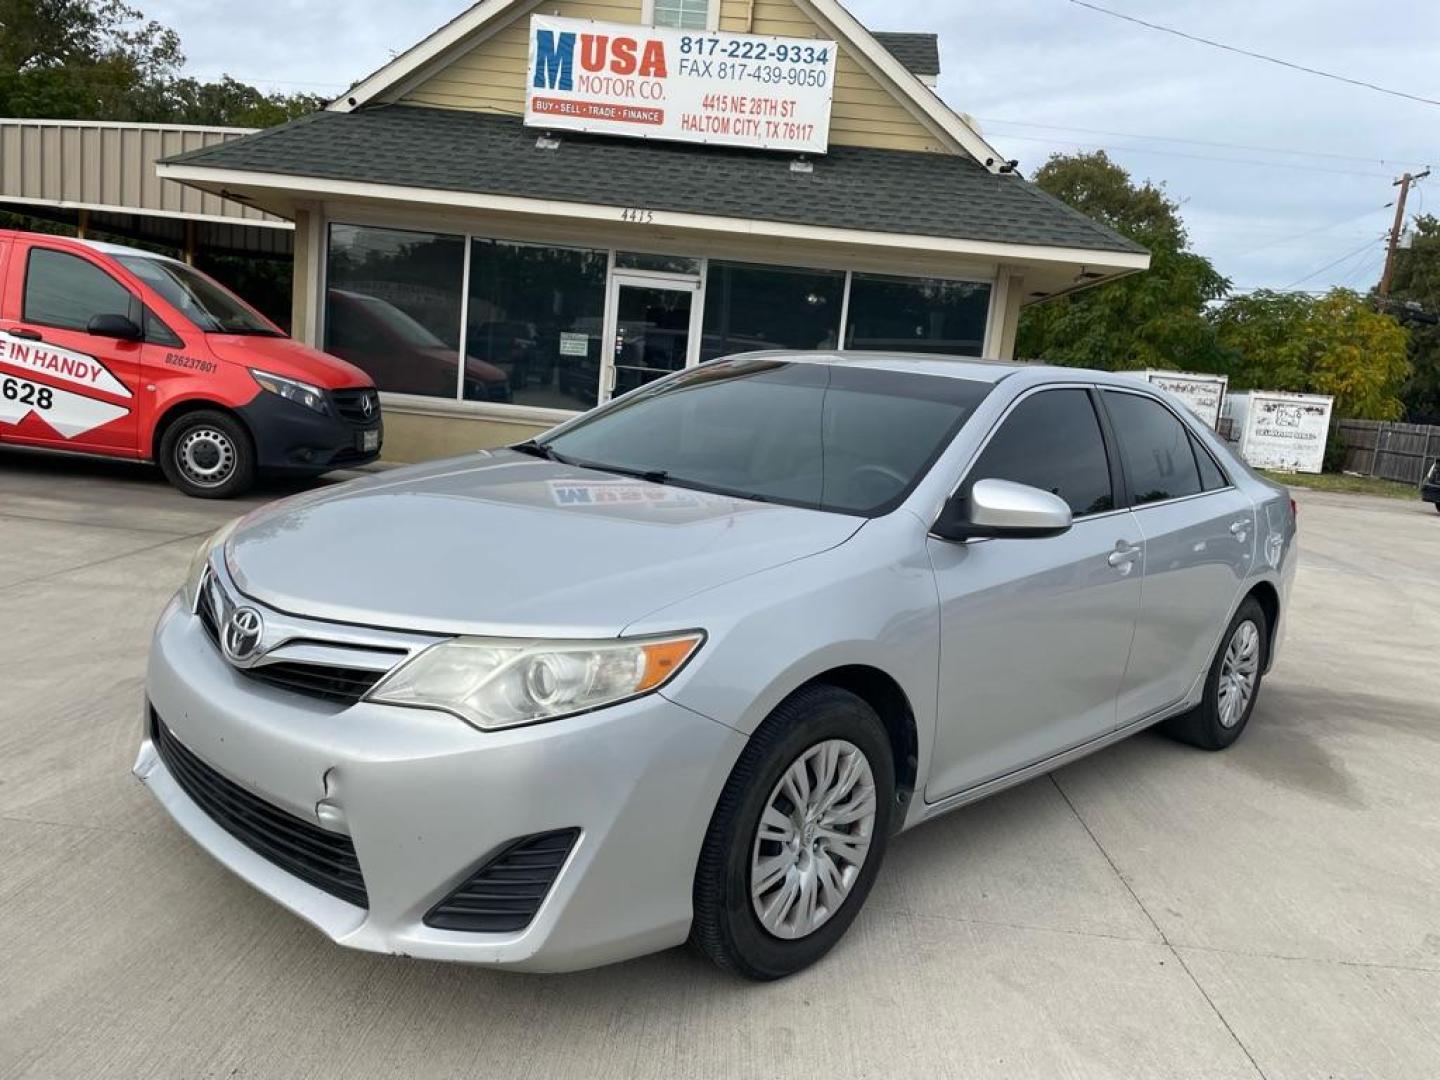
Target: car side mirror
{"x":1001,"y":508}
{"x":121,"y":327}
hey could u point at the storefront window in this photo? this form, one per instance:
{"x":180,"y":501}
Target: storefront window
{"x":665,"y":264}
{"x":535,"y":321}
{"x":769,"y":307}
{"x":392,"y":306}
{"x":917,"y":315}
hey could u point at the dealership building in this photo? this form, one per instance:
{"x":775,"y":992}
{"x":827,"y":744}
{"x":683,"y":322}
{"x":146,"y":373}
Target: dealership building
{"x":542,"y":205}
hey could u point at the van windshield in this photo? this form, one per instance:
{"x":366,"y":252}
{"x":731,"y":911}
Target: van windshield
{"x":852,"y":440}
{"x":210,"y":307}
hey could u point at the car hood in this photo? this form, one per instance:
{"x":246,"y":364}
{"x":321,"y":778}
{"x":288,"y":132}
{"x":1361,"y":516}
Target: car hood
{"x":501,"y":543}
{"x":286,"y":356}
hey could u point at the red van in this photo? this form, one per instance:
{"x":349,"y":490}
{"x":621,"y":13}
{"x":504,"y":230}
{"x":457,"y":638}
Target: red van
{"x":114,"y":351}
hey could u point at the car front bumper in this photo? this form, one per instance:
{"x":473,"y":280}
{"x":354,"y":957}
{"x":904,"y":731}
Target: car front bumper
{"x":426,"y":799}
{"x":291,"y":438}
{"x":1430,"y":493}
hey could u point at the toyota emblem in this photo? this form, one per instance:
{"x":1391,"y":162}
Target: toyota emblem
{"x":241,"y":639}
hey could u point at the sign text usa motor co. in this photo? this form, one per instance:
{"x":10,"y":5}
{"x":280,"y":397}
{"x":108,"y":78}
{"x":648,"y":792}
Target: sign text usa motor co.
{"x":691,"y":86}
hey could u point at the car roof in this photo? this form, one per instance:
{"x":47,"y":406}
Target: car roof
{"x":949,"y":366}
{"x":94,"y":245}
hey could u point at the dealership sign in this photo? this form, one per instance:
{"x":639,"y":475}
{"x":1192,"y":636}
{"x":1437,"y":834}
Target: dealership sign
{"x":1204,"y":394}
{"x":1286,"y":431}
{"x":684,"y":85}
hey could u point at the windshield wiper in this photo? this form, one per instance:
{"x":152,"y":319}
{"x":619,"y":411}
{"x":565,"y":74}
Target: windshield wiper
{"x":540,"y":450}
{"x":654,"y":476}
{"x":249,"y":331}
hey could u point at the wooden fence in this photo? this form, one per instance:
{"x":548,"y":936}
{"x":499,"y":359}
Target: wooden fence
{"x":1400,"y":452}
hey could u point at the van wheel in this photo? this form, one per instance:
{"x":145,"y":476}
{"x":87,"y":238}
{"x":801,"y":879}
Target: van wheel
{"x":1232,"y":684}
{"x":797,"y":836}
{"x":208,"y":454}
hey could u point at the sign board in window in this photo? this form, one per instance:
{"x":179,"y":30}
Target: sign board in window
{"x":1204,"y":394}
{"x":574,"y":344}
{"x":683,"y":85}
{"x":1286,"y":431}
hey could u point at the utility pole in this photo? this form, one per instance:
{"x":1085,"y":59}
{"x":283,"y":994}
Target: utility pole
{"x":1404,"y":185}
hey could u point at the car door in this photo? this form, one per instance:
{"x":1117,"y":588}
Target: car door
{"x":61,"y":386}
{"x":1199,"y":538}
{"x":1035,"y":633}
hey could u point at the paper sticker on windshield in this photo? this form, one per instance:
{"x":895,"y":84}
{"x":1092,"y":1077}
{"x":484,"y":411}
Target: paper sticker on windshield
{"x":68,"y":413}
{"x":66,"y":365}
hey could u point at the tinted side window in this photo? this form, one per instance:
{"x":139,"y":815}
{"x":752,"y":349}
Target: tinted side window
{"x":1155,"y":446}
{"x":1052,"y":441}
{"x":1211,"y":478}
{"x":66,"y":291}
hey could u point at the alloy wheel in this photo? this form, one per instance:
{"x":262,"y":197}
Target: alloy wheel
{"x":1238,"y":673}
{"x":812,"y":839}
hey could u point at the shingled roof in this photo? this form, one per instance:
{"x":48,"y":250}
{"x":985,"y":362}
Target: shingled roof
{"x":890,"y":191}
{"x":917,"y":53}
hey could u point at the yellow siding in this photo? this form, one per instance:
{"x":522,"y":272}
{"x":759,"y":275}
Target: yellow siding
{"x":491,"y":77}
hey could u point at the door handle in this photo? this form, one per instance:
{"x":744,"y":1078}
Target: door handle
{"x":1123,"y":556}
{"x":1239,"y":529}
{"x":28,"y":335}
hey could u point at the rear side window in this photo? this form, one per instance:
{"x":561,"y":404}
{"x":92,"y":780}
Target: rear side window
{"x":1052,"y":441}
{"x":1155,"y":447}
{"x":1211,"y":477}
{"x":66,"y":291}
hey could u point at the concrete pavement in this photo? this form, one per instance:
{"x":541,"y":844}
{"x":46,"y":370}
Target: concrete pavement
{"x":1152,"y":911}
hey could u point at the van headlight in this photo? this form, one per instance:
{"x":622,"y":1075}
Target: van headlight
{"x":302,"y":393}
{"x":494,"y":683}
{"x":200,"y":561}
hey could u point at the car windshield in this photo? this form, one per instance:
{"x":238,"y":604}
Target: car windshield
{"x":831,"y":437}
{"x":209,"y":306}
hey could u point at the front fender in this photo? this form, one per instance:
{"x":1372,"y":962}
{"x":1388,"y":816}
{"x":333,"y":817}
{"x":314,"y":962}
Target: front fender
{"x":869,"y":602}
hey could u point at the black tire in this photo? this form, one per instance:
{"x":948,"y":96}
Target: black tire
{"x":1437,"y":507}
{"x":208,"y":440}
{"x":1203,"y":726}
{"x":726,"y":927}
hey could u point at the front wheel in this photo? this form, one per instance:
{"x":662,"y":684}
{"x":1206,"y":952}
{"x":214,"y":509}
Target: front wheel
{"x":797,"y":836}
{"x":1231,"y":686}
{"x":208,"y":454}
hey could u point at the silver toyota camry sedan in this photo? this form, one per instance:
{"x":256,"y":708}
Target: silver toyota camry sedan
{"x":682,"y":667}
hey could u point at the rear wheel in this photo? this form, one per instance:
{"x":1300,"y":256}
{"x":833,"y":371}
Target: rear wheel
{"x":1232,"y":684}
{"x":208,"y":454}
{"x":797,"y":836}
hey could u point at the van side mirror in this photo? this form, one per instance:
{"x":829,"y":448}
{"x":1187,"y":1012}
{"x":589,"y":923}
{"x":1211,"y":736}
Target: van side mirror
{"x":121,"y":327}
{"x":1001,"y":508}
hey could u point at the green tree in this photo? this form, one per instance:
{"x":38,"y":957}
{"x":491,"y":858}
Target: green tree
{"x":1415,"y":290}
{"x":1151,"y":319}
{"x":103,"y":60}
{"x":1336,"y":344}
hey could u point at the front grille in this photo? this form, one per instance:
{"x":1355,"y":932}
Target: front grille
{"x":343,"y":684}
{"x":350,"y":405}
{"x":331,"y":682}
{"x":505,"y":893}
{"x":321,"y":858}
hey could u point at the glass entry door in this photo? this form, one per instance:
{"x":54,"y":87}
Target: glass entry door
{"x":652,"y":331}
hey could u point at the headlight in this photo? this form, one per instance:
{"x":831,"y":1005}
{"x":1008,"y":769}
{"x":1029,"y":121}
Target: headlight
{"x":497,"y":683}
{"x":312,"y":397}
{"x":201,"y":559}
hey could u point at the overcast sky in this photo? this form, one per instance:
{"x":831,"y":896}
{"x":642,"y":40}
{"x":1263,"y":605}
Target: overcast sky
{"x":1302,"y":181}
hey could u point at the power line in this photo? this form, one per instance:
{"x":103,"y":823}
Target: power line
{"x":1296,"y":166}
{"x":1308,"y":232}
{"x":1255,"y":55}
{"x":1348,"y":255}
{"x":1386,"y":162}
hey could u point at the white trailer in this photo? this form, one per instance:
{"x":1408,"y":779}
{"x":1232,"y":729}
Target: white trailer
{"x":1204,"y":394}
{"x":1286,"y":432}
